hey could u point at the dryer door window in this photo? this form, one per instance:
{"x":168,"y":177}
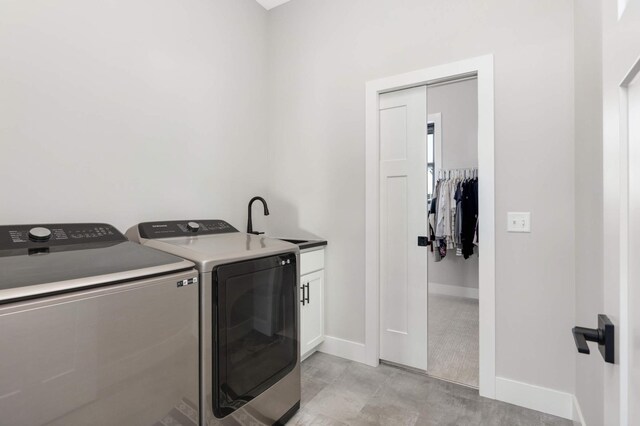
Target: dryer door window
{"x":256,"y":340}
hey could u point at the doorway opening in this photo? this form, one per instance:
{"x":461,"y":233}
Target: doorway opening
{"x":397,"y":230}
{"x":453,"y":266}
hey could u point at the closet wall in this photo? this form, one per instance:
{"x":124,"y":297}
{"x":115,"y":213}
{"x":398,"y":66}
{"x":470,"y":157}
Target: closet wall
{"x":458,"y":105}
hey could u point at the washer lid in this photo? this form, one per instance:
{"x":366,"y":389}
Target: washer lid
{"x":31,"y":267}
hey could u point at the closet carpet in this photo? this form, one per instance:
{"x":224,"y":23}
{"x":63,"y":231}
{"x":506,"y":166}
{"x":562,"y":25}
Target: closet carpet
{"x":453,"y":339}
{"x":338,"y":392}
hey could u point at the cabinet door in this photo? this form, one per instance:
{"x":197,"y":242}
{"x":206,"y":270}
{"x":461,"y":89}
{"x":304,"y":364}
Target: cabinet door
{"x":312,"y":312}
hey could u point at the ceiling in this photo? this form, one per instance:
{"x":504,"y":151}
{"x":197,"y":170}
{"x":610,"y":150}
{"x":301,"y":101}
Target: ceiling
{"x":270,"y":4}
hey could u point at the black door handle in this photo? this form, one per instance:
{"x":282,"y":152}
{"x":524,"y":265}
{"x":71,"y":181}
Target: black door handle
{"x":308,"y":292}
{"x":603,"y":335}
{"x":581,"y":335}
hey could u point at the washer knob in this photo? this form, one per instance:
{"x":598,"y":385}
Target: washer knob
{"x":193,"y":226}
{"x":39,"y":234}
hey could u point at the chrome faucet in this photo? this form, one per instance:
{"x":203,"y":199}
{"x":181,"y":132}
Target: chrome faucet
{"x":266,"y":213}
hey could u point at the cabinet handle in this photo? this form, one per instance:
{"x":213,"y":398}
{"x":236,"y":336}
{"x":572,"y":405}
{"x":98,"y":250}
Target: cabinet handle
{"x":308,"y":292}
{"x":303,"y":301}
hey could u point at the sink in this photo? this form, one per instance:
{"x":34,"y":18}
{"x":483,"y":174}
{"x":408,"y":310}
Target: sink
{"x":298,"y":242}
{"x":305,"y":244}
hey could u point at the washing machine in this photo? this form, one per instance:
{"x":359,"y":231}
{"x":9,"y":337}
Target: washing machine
{"x":95,"y":329}
{"x":249,"y":318}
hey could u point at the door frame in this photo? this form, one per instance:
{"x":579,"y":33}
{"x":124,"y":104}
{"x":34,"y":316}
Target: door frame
{"x":623,"y":337}
{"x":482,"y":68}
{"x":436,"y":119}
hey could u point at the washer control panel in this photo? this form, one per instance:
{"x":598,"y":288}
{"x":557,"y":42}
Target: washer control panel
{"x":14,"y":237}
{"x":184,"y":228}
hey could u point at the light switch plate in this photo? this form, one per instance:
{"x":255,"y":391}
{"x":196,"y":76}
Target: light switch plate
{"x":519,"y":222}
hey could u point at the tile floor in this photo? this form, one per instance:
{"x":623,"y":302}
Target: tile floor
{"x":340,"y":392}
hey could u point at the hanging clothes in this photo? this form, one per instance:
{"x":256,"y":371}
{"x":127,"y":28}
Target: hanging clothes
{"x":443,"y":219}
{"x":435,"y":226}
{"x":431,"y":222}
{"x":469,"y":216}
{"x":458,"y":224}
{"x":453,"y":214}
{"x":450,"y":232}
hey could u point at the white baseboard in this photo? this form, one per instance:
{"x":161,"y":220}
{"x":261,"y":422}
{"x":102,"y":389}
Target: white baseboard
{"x":347,"y":349}
{"x":577,"y":413}
{"x":534,"y":397}
{"x":454,"y":290}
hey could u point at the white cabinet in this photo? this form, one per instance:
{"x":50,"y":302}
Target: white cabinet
{"x":311,"y":301}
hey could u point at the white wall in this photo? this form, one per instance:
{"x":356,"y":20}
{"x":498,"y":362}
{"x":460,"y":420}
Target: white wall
{"x":130,"y":110}
{"x":589,"y":197}
{"x":321,"y":55}
{"x":458,"y":105}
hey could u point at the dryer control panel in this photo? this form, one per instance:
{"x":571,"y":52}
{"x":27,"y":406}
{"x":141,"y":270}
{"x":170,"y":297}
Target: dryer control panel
{"x":40,"y":236}
{"x":184,"y":228}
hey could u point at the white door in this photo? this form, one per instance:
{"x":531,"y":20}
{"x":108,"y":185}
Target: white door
{"x":633,"y":238}
{"x":403,"y":217}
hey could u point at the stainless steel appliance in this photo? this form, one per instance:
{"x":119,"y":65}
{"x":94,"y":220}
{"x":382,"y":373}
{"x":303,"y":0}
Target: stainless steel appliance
{"x":95,"y":329}
{"x":249,"y":316}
